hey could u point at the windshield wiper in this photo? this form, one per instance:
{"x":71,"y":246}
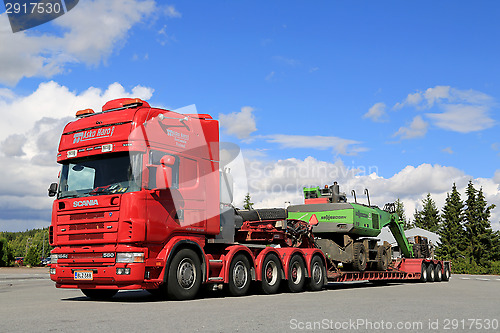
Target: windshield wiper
{"x":104,"y":189}
{"x":68,"y":196}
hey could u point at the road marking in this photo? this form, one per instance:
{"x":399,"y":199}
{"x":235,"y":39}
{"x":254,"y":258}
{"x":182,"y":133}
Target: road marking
{"x":463,"y":278}
{"x":482,"y":279}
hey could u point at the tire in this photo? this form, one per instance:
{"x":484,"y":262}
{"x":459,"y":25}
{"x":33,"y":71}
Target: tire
{"x":423,"y":272}
{"x":359,"y":256}
{"x":317,"y":276}
{"x":438,"y":274}
{"x":184,"y":276}
{"x":271,"y":274}
{"x":430,"y":272}
{"x":447,"y":273}
{"x":99,"y":294}
{"x":296,"y":274}
{"x":382,"y":259}
{"x":239,"y":276}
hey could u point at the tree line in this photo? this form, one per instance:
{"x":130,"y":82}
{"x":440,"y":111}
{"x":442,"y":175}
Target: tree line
{"x":464,"y":227}
{"x":32,"y":245}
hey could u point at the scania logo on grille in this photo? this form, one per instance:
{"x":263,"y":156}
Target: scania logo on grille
{"x":84,"y":203}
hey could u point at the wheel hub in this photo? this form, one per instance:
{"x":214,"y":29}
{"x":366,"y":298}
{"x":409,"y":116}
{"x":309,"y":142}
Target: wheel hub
{"x":240,"y":275}
{"x":186,"y":274}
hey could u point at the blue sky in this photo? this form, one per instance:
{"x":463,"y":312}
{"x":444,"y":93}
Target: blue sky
{"x":408,"y":89}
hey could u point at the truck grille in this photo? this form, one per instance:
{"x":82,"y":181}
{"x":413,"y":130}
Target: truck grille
{"x":79,"y":237}
{"x":86,"y":216}
{"x":87,"y":226}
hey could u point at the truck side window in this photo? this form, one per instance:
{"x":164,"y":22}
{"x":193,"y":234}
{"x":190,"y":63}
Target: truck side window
{"x":155,"y":157}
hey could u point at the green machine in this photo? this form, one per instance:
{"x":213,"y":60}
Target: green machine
{"x":345,"y":231}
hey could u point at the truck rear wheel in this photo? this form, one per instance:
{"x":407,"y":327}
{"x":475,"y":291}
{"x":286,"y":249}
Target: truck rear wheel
{"x":430,"y":272}
{"x":184,"y":275}
{"x":359,"y":256}
{"x":317,"y":279}
{"x":447,"y":273}
{"x":99,"y":294}
{"x":271,"y":274}
{"x":438,"y":274}
{"x":423,"y":272}
{"x":296,"y":274}
{"x":239,"y":276}
{"x":382,"y":259}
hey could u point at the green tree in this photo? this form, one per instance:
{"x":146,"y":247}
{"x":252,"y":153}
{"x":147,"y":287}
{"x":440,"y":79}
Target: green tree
{"x":428,"y":218}
{"x":247,"y":204}
{"x":6,"y":257}
{"x":482,"y":241}
{"x":33,"y":256}
{"x":400,"y":210}
{"x":451,"y":229}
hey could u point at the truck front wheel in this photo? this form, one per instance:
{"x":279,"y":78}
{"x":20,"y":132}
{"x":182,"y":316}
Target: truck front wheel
{"x":99,"y":294}
{"x":184,"y":275}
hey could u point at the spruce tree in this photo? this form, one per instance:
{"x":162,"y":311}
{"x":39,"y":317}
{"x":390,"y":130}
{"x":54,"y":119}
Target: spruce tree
{"x":451,"y":229}
{"x":247,"y":204}
{"x":400,"y":210}
{"x":428,"y":218}
{"x":482,"y":241}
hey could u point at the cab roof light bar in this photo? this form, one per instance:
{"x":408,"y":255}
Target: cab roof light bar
{"x":124,"y":104}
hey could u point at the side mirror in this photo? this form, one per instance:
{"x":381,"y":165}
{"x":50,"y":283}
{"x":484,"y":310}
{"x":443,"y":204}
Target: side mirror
{"x":167,"y":162}
{"x":52,"y":189}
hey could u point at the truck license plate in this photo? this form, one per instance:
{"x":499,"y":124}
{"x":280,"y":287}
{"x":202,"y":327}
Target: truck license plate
{"x":84,"y":275}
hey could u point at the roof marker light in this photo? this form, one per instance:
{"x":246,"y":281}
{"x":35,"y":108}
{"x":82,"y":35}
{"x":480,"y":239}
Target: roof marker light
{"x":85,"y":112}
{"x":71,"y":153}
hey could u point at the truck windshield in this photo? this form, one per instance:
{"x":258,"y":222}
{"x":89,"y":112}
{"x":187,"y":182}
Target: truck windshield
{"x":103,"y":174}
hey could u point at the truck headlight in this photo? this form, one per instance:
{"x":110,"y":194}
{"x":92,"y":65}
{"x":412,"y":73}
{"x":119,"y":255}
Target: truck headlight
{"x":53,"y":258}
{"x":129,"y":257}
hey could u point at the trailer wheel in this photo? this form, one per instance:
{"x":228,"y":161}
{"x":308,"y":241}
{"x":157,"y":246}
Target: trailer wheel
{"x":438,"y":274}
{"x":99,"y":294}
{"x":423,"y":272}
{"x":382,"y":259}
{"x":317,"y":279}
{"x":296,"y":274}
{"x":239,"y":276}
{"x":271,"y":274}
{"x":447,"y":273}
{"x":430,"y":272}
{"x":184,"y":275}
{"x":360,"y":262}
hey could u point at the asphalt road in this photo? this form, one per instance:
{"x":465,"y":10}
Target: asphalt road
{"x":29,"y":302}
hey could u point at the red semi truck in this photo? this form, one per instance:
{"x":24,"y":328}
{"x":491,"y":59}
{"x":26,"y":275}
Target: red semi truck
{"x":142,"y":202}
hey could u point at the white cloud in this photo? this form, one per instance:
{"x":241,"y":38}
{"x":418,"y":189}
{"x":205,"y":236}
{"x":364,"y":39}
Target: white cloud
{"x":271,"y":183}
{"x":240,"y":124}
{"x":338,"y":145}
{"x":377,"y":113}
{"x":170,"y":11}
{"x":417,"y":129}
{"x":29,"y":136}
{"x":496,"y":177}
{"x":447,"y":150}
{"x":462,"y":111}
{"x":91,"y":32}
{"x":463,"y":118}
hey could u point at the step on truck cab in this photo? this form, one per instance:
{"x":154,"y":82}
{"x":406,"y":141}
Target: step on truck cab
{"x":142,"y":202}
